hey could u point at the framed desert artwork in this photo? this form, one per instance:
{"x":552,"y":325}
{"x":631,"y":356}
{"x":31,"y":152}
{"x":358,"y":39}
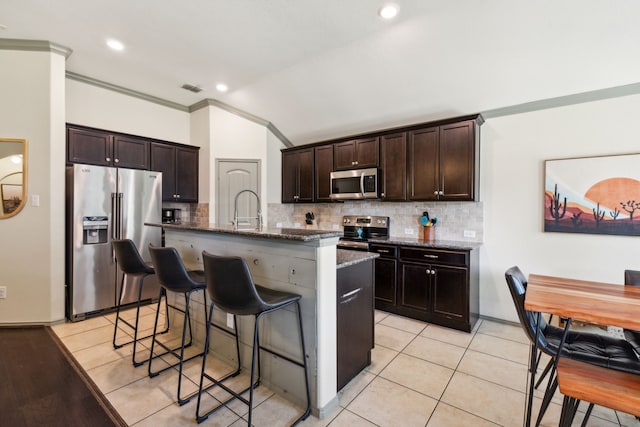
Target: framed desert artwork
{"x":595,"y":195}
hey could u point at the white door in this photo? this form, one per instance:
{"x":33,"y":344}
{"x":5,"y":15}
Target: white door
{"x":233,"y":176}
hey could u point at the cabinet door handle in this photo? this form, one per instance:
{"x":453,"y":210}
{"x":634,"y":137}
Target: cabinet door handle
{"x":348,"y":294}
{"x":435,"y":193}
{"x":433,"y":272}
{"x":431,"y":256}
{"x":108,"y":159}
{"x":116,"y":160}
{"x":383,"y":251}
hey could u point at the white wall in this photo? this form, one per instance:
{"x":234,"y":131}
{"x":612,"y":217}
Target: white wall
{"x":32,"y":248}
{"x":513,"y":150}
{"x":234,"y":137}
{"x":94,"y":106}
{"x":274,"y":170}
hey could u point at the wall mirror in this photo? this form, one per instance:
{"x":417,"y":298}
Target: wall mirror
{"x":13,"y":176}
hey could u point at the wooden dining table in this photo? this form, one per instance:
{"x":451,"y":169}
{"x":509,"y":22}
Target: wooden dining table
{"x":594,"y":302}
{"x":602,"y":303}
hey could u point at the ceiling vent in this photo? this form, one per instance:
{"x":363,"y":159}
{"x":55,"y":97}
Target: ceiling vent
{"x":191,"y":88}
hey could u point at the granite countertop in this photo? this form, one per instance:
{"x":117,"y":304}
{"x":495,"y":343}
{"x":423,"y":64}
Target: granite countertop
{"x":301,"y":234}
{"x":345,"y":257}
{"x":437,"y":243}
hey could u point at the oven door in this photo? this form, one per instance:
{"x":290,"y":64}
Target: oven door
{"x":353,"y":245}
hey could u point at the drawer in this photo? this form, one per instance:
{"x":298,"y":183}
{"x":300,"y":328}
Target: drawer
{"x":434,"y":255}
{"x":385,"y":251}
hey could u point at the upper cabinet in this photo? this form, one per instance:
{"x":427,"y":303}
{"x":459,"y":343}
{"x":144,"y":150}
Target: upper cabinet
{"x":297,"y":175}
{"x":443,"y":162}
{"x":178,"y":163}
{"x":102,"y":148}
{"x":393,"y":167}
{"x":323,"y":169}
{"x":179,"y":167}
{"x":435,"y":161}
{"x":356,"y":154}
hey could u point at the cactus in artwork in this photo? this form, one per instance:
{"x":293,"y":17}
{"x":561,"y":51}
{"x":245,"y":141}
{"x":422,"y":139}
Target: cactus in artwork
{"x":614,"y":214}
{"x":555,"y":207}
{"x":630,"y":206}
{"x":575,"y":219}
{"x":598,"y":215}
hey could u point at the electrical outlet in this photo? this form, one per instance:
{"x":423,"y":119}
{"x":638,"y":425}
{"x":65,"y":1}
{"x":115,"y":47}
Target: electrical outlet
{"x":408,"y":231}
{"x":230,"y":320}
{"x":469,"y":233}
{"x":335,"y":227}
{"x":296,"y":225}
{"x":278,"y":225}
{"x":3,"y":292}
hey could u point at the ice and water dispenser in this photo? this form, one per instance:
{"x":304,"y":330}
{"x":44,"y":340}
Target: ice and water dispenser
{"x":94,"y":229}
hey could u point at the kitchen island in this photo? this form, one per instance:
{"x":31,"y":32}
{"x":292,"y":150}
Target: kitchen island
{"x":294,"y":260}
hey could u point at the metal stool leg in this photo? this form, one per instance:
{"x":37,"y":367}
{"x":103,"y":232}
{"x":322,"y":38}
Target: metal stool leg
{"x":135,"y":326}
{"x":180,"y":356}
{"x":200,"y":417}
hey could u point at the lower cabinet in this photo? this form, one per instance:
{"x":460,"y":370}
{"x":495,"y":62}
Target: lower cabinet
{"x":435,"y":285}
{"x":354,"y":320}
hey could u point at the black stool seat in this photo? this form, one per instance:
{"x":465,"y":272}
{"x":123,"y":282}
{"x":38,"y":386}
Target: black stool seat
{"x":174,"y":277}
{"x":232,"y":289}
{"x":131,"y":264}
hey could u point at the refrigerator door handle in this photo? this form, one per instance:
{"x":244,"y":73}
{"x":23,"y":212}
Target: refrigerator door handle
{"x":114,"y":217}
{"x":120,"y":211}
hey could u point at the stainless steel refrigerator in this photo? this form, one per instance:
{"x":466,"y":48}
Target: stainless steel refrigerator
{"x":103,"y":204}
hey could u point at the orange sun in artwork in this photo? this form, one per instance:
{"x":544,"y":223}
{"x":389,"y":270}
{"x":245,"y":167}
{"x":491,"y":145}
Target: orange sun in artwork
{"x":610,"y":192}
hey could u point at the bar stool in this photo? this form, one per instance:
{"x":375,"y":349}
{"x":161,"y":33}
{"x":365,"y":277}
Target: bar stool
{"x":132,"y":265}
{"x":231,"y":288}
{"x":174,"y":277}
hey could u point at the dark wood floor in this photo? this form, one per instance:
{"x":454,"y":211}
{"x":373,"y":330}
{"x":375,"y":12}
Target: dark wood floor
{"x":41,"y":385}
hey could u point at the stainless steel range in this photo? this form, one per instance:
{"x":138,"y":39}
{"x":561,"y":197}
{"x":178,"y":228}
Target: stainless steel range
{"x":358,"y":230}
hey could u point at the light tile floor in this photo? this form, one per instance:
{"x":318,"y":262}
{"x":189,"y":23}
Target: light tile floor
{"x":421,"y":375}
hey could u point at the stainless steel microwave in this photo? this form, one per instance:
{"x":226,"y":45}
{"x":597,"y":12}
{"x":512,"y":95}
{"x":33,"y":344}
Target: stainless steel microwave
{"x":355,"y":184}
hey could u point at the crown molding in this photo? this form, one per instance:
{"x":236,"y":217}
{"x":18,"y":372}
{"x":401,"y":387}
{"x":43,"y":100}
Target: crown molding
{"x":35,"y":46}
{"x":123,"y":90}
{"x":210,"y":102}
{"x":562,"y":101}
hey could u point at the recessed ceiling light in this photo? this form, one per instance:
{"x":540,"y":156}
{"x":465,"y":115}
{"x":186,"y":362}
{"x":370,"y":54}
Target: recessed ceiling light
{"x":115,"y":44}
{"x":221,"y":87}
{"x":388,"y":11}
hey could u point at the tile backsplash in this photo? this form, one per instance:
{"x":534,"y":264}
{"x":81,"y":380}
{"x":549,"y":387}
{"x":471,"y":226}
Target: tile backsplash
{"x":460,"y":221}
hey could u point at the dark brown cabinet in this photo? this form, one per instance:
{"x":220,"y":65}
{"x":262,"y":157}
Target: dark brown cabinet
{"x":102,"y":148}
{"x":393,"y":167}
{"x":437,"y":161}
{"x":323,"y":169}
{"x":356,"y":154}
{"x":354,"y":319}
{"x":442,"y":162}
{"x":297,"y":175}
{"x":386,"y":273}
{"x":179,"y":167}
{"x":431,"y":284}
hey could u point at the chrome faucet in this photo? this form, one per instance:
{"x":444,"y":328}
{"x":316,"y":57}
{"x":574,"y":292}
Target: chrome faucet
{"x":235,"y":209}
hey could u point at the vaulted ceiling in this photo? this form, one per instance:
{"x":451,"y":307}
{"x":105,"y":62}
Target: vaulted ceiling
{"x":318,"y":69}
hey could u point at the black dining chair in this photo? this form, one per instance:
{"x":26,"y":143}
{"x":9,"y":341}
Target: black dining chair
{"x":174,"y":277}
{"x":132,"y":266}
{"x":231,"y":288}
{"x":632,"y":278}
{"x":598,"y":349}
